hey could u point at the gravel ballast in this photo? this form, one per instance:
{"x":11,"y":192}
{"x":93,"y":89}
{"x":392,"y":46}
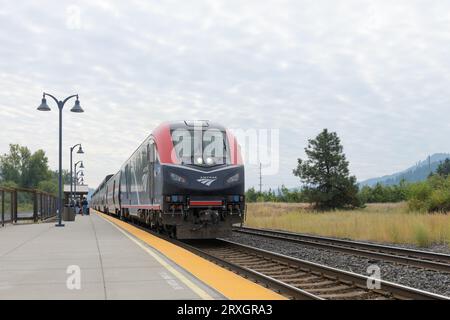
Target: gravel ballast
{"x":428,"y":280}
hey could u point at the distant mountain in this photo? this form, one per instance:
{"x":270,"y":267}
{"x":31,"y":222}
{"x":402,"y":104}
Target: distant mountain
{"x":418,"y":172}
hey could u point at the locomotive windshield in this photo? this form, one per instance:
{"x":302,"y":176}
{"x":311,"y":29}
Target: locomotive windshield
{"x":201,"y":147}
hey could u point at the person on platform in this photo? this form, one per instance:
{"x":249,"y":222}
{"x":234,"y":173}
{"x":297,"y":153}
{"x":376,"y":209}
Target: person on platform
{"x":77,"y":207}
{"x":84,"y":205}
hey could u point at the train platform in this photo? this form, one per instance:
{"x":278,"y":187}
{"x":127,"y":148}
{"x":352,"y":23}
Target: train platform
{"x":99,"y":257}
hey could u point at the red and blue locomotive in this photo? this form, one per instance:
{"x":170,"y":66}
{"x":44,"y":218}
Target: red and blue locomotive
{"x":186,"y":178}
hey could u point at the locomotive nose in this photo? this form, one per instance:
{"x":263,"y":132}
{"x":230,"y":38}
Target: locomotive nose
{"x":188,"y":188}
{"x":185,"y":180}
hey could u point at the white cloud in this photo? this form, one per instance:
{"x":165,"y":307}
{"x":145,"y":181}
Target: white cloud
{"x":377,"y":72}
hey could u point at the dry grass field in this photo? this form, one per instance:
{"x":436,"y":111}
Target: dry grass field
{"x":389,"y":223}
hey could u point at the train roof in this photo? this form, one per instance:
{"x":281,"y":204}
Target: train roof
{"x":103,"y":183}
{"x":189,"y":124}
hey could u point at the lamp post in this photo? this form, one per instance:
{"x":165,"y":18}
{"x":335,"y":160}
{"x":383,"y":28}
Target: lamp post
{"x":76,"y":108}
{"x":80,"y":151}
{"x":76,"y":174}
{"x":79,"y":176}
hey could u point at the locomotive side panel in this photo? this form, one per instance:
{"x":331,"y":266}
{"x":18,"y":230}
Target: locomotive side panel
{"x":112,"y":204}
{"x":135,"y":181}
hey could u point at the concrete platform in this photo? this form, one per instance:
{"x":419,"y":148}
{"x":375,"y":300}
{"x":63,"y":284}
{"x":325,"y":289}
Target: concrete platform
{"x":34,"y":262}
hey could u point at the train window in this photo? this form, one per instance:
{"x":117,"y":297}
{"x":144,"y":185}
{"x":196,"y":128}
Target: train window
{"x":156,"y":156}
{"x":182,"y":142}
{"x":127,"y":180}
{"x":114,"y":192}
{"x":201,"y":147}
{"x":214,"y":147}
{"x":152,"y":153}
{"x":144,"y":156}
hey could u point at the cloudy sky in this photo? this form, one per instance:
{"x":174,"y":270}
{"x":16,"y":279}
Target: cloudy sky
{"x":377,"y":72}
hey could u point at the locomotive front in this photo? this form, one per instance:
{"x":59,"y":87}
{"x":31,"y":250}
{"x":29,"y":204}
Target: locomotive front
{"x":203,"y":188}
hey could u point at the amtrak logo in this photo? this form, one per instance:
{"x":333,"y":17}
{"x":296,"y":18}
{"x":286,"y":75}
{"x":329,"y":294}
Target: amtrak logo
{"x":207,"y":181}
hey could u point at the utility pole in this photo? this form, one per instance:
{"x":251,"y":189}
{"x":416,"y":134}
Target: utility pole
{"x":429,"y":164}
{"x":260,"y":177}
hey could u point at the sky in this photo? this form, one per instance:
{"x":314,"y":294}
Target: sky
{"x":376,"y":72}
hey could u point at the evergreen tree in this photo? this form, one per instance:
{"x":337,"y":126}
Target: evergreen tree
{"x":326,"y":175}
{"x":251,"y":195}
{"x":444,"y":168}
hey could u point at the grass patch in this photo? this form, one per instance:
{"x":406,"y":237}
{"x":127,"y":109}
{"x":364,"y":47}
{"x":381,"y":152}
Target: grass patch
{"x":422,"y":236}
{"x":387,"y":222}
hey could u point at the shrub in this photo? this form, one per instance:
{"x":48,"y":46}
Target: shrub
{"x":439,"y":201}
{"x":417,"y":205}
{"x":422,"y":236}
{"x":420,"y":191}
{"x":381,"y":193}
{"x":432,"y":195}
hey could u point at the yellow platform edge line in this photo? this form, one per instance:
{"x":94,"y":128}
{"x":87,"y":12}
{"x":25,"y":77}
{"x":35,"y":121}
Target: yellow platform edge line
{"x":196,"y":289}
{"x":229,"y":284}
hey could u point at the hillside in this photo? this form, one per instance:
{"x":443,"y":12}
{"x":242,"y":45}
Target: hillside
{"x":418,"y":172}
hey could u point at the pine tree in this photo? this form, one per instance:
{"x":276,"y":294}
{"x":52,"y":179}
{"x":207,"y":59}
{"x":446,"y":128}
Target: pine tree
{"x":325,"y":173}
{"x":444,"y":168}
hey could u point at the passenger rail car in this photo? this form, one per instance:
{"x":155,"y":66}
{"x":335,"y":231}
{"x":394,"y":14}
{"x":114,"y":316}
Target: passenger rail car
{"x":186,"y":178}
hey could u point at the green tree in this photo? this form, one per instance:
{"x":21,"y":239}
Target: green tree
{"x":326,"y":175}
{"x":37,"y":169}
{"x":444,"y":168}
{"x":54,"y":176}
{"x":365,"y":194}
{"x":24,"y":168}
{"x":49,"y":186}
{"x":251,"y":195}
{"x":292,"y":196}
{"x":384,"y":193}
{"x":9,"y":184}
{"x":13,"y":165}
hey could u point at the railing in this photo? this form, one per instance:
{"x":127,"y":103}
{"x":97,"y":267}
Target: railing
{"x":25,"y":204}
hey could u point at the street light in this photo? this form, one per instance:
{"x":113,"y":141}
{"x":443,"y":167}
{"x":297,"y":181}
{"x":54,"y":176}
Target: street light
{"x":80,"y":151}
{"x":77,"y":109}
{"x":76,"y":174}
{"x":76,"y":165}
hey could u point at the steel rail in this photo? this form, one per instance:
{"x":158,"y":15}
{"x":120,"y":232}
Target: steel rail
{"x":387,"y":290}
{"x":417,"y":258}
{"x":256,"y":276}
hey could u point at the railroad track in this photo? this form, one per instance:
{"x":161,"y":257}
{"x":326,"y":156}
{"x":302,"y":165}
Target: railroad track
{"x":295,"y":278}
{"x":299,"y":279}
{"x":422,"y":259}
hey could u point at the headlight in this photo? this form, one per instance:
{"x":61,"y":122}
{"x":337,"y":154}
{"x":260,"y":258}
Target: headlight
{"x":234,"y":198}
{"x":234,"y":178}
{"x":177,"y":178}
